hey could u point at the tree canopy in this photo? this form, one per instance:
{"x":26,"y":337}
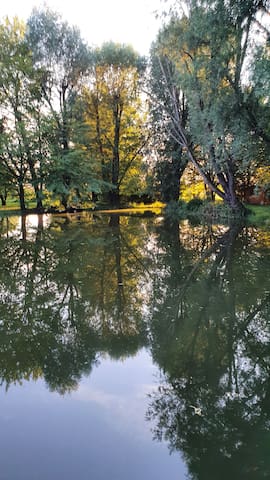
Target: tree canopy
{"x":211,"y":45}
{"x":79,"y":122}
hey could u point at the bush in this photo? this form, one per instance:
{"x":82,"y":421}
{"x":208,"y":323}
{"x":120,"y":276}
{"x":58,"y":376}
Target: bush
{"x":194,"y":204}
{"x":198,"y":210}
{"x":220,"y":212}
{"x":175,"y":210}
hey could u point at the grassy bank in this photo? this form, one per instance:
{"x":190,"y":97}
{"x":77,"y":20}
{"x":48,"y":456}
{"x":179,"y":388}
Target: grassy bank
{"x":156,"y":208}
{"x":195,"y":209}
{"x":259,"y":214}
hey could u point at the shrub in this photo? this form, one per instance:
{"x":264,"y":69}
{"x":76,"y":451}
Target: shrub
{"x":194,"y":204}
{"x":175,"y":210}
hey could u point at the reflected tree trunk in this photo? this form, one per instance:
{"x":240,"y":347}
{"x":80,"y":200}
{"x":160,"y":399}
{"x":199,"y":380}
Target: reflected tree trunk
{"x":120,"y":297}
{"x":23,"y":228}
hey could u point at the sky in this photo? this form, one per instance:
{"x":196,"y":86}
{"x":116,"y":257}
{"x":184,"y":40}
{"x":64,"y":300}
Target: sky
{"x":124,"y":21}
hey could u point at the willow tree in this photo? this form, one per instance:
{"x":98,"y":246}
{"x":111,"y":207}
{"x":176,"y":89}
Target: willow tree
{"x":113,"y":116}
{"x":210,"y":46}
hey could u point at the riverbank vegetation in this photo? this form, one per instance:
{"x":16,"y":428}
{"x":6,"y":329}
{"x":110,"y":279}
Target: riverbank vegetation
{"x":84,"y":127}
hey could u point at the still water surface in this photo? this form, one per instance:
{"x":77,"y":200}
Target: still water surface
{"x":133,"y":349}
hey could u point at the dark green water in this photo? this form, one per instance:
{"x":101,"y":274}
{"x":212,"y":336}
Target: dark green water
{"x":133,"y":349}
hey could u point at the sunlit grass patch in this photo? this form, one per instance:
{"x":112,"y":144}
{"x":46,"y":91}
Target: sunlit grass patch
{"x":155,"y":207}
{"x":149,"y":206}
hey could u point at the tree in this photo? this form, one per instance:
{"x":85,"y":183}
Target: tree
{"x":63,"y":57}
{"x":22,"y":140}
{"x":113,"y":116}
{"x":258,"y":102}
{"x":210,"y":46}
{"x":7,"y":184}
{"x":72,"y":178}
{"x":166,"y":100}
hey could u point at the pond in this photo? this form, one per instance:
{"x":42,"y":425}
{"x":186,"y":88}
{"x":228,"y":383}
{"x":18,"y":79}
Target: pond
{"x":133,"y":348}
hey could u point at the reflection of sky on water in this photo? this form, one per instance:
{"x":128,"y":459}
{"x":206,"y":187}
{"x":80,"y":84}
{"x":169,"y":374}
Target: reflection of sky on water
{"x":12,"y":226}
{"x":97,"y":432}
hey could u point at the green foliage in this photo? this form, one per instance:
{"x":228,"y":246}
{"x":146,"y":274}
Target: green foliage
{"x":112,"y":118}
{"x":74,"y":118}
{"x":119,"y":55}
{"x":209,"y":47}
{"x":166,"y":102}
{"x":203,"y":211}
{"x":194,"y":204}
{"x":49,"y":140}
{"x":220,"y":212}
{"x":23,"y":144}
{"x":57,"y":47}
{"x":71,"y":179}
{"x":174,"y":211}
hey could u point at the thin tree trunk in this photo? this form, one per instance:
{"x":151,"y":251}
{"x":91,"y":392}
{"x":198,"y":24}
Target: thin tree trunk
{"x":23,"y":227}
{"x":104,"y":170}
{"x":31,"y":163}
{"x":117,"y":113}
{"x":22,"y":197}
{"x":65,"y":140}
{"x":3,"y":197}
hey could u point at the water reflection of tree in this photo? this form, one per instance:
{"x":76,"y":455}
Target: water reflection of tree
{"x":73,"y":288}
{"x":69,"y":292}
{"x":211,"y":339}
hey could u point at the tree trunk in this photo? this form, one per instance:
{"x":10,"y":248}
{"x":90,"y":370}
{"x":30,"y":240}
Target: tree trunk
{"x":39,"y":204}
{"x":30,"y":161}
{"x":23,"y":227}
{"x":65,"y":140}
{"x":231,"y":197}
{"x":65,"y":129}
{"x":3,"y":200}
{"x":170,"y":173}
{"x":38,"y":194}
{"x":64,"y":200}
{"x":22,"y":197}
{"x":117,"y":113}
{"x":120,"y":299}
{"x":104,"y":168}
{"x":114,"y":197}
{"x":94,"y":197}
{"x":35,"y":181}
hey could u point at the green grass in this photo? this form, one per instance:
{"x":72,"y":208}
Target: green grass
{"x":260,"y":214}
{"x":13,"y":206}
